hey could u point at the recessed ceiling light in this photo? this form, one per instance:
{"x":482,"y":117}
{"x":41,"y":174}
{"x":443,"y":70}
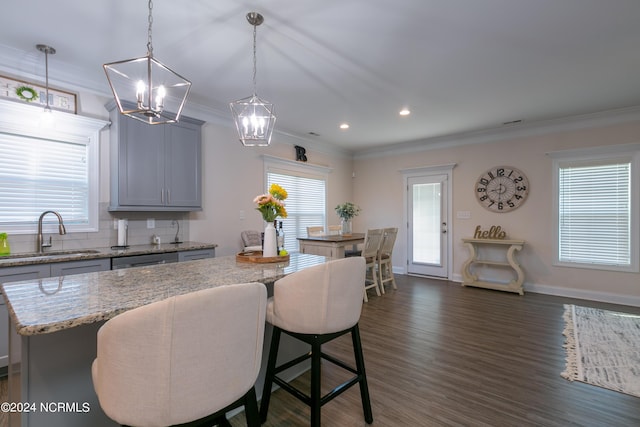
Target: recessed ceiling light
{"x":405,"y":111}
{"x":344,"y":126}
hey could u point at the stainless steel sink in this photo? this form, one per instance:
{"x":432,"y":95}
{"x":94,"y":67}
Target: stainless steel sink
{"x":51,"y":254}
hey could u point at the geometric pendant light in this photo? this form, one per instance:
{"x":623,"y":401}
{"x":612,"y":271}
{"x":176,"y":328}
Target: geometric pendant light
{"x":146,"y":89}
{"x":254,"y":117}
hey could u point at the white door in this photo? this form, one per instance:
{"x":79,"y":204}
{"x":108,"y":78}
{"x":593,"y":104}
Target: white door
{"x":427,"y":217}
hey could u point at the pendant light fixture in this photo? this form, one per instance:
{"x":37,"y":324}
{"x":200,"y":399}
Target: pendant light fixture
{"x":145,"y":89}
{"x":254,"y":117}
{"x":47,"y":114}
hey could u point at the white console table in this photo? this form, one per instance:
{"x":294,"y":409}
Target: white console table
{"x":511,"y":246}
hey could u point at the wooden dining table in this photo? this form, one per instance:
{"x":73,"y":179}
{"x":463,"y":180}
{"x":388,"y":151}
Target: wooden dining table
{"x":329,"y":245}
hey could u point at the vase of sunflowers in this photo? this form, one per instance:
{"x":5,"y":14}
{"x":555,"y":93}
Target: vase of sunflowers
{"x":271,"y":206}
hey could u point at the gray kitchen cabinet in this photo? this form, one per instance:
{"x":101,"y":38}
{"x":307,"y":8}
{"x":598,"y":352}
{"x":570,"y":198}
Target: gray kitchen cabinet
{"x":14,"y":274}
{"x":196,"y":254}
{"x":155,"y":167}
{"x":39,"y":271}
{"x":79,"y":267}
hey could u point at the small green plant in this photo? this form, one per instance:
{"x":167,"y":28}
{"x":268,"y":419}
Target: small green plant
{"x":347,"y":210}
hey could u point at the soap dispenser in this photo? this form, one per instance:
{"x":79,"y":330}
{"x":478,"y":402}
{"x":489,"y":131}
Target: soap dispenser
{"x":4,"y":245}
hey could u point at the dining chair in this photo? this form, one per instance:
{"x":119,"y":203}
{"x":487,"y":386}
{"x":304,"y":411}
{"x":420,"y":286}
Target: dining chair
{"x":252,"y":240}
{"x":186,"y":359}
{"x":334,"y":230}
{"x":317,"y":305}
{"x":372,"y":241}
{"x":315,"y":231}
{"x":384,"y":261}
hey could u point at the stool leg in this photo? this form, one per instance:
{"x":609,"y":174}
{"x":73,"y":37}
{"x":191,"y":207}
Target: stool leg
{"x":271,"y":368}
{"x":251,"y":408}
{"x":364,"y":387}
{"x":315,"y":384}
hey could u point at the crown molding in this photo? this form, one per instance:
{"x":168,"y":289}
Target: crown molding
{"x":564,"y":124}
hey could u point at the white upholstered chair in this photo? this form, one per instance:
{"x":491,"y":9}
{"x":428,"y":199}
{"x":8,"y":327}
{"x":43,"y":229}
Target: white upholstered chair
{"x":251,"y":240}
{"x":317,"y":305}
{"x":385,"y":265}
{"x":372,"y":241}
{"x":189,"y":358}
{"x":315,"y":231}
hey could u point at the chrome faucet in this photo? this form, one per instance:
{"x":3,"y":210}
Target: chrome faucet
{"x":61,"y":230}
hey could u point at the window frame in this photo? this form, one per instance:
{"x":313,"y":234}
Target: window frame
{"x":24,"y":121}
{"x":288,"y":167}
{"x":600,"y":155}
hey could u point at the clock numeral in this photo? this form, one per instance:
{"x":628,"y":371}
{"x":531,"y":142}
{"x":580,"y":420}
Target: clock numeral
{"x":481,"y":190}
{"x":500,"y":172}
{"x":521,"y":188}
{"x":491,"y":204}
{"x":510,"y":203}
{"x":517,"y":196}
{"x":500,"y":206}
{"x":490,"y":175}
{"x":483,"y":198}
{"x":518,"y":179}
{"x":484,"y":181}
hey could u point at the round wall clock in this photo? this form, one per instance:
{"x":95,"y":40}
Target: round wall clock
{"x":502,"y":189}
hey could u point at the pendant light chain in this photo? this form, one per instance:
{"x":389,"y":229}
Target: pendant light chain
{"x":46,"y":67}
{"x":254,"y":58}
{"x":149,"y":37}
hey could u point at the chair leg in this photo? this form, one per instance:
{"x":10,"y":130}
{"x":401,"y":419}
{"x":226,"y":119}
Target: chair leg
{"x":364,"y":387}
{"x":251,"y":408}
{"x":381,"y":276}
{"x":269,"y":374}
{"x":373,"y":280}
{"x":316,"y":371}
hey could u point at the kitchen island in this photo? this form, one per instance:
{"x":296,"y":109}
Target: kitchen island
{"x":54,"y":321}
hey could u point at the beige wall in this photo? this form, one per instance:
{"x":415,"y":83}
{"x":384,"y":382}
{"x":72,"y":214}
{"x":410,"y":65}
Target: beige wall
{"x":233,"y":175}
{"x":378,"y":189}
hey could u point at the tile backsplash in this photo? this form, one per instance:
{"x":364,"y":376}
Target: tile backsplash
{"x":165,"y":227}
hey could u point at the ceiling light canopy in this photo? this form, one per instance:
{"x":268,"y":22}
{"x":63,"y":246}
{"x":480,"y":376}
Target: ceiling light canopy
{"x":254,"y":117}
{"x":146,"y":89}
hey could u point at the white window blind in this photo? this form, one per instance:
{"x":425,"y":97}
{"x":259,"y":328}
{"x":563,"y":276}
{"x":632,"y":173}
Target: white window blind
{"x":594,"y":215}
{"x":305,"y":204}
{"x":37,"y":175}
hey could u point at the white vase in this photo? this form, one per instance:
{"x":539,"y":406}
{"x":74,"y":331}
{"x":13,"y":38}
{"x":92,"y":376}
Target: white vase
{"x":270,"y":247}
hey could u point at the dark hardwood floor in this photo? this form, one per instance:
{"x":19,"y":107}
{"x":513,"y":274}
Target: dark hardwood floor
{"x":439,"y":354}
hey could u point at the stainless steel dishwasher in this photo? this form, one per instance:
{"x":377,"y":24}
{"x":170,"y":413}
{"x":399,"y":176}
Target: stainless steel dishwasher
{"x":141,"y":260}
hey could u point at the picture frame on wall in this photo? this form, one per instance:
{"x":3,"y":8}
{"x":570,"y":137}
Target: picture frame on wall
{"x":35,"y":94}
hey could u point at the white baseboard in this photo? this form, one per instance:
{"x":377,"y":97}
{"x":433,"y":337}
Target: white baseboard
{"x":559,"y":291}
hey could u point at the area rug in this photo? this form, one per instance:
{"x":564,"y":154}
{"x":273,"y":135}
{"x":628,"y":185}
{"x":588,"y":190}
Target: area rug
{"x":603,"y":348}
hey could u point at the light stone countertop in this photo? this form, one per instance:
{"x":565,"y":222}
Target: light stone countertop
{"x":43,"y":306}
{"x":48,"y":257}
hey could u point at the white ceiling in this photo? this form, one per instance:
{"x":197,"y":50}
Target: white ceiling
{"x":460,"y":65}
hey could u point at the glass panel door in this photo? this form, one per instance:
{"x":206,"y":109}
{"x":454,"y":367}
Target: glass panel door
{"x":427,"y":213}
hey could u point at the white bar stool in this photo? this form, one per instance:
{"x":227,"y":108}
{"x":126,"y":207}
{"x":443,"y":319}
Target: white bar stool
{"x":187,"y":359}
{"x":317,"y":305}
